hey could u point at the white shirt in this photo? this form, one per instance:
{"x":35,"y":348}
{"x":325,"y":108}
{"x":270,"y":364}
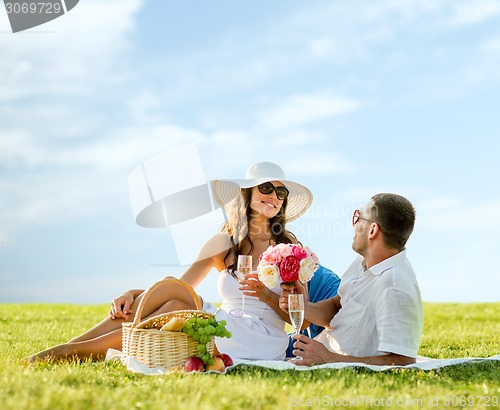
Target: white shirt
{"x":381,"y":310}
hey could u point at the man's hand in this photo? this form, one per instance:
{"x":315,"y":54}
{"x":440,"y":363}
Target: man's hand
{"x":311,"y":351}
{"x":314,"y":352}
{"x":120,"y":307}
{"x":287,"y":289}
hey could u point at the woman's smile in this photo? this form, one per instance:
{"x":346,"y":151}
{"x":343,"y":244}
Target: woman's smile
{"x":269,"y":204}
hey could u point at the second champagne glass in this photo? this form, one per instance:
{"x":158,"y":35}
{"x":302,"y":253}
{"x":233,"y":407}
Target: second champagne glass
{"x":244,"y":268}
{"x":296,"y":312}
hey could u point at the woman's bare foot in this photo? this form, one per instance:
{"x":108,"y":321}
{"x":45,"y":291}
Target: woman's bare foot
{"x":59,"y":352}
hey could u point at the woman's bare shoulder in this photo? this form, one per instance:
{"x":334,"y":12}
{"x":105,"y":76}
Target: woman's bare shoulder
{"x":221,"y":238}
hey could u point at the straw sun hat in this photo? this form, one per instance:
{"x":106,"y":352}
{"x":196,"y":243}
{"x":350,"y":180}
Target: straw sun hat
{"x":227,"y":190}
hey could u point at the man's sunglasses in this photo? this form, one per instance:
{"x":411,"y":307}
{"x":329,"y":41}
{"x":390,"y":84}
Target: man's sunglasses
{"x":266,"y":188}
{"x":356,"y":217}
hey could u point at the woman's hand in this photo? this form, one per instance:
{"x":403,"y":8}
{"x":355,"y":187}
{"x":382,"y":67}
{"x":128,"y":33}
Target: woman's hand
{"x":120,"y":307}
{"x":252,"y":286}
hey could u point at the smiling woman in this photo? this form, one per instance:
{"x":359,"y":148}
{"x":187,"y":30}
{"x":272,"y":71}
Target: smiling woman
{"x":257,"y":208}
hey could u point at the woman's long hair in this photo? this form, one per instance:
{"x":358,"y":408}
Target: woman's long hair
{"x":238,"y":217}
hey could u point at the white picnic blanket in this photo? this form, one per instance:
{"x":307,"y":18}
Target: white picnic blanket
{"x":423,"y":363}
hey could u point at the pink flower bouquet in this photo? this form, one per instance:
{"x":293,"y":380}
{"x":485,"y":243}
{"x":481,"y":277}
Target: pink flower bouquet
{"x":290,"y":262}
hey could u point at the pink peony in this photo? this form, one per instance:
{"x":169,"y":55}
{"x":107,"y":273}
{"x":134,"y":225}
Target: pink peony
{"x":289,"y":269}
{"x":272,"y":255}
{"x":288,"y":262}
{"x":267,"y":259}
{"x":299,"y":252}
{"x":285,"y":250}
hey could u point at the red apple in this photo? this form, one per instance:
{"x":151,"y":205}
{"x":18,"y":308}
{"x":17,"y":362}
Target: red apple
{"x":218,"y":365}
{"x":226,"y":359}
{"x":194,"y":364}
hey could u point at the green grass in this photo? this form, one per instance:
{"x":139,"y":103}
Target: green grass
{"x":451,"y":330}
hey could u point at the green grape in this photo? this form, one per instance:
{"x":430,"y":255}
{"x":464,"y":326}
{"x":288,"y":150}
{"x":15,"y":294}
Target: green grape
{"x":196,"y":337}
{"x":228,"y":334}
{"x":202,"y":349}
{"x":210,"y":330}
{"x":206,"y":358}
{"x":211,"y":321}
{"x":199,"y":321}
{"x":217,"y":331}
{"x":210,"y":361}
{"x":203,"y":339}
{"x":190,"y":332}
{"x":201,"y":331}
{"x":223,"y":322}
{"x":188,"y":325}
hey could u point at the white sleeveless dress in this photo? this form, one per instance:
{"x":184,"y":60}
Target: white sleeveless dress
{"x":260,"y":335}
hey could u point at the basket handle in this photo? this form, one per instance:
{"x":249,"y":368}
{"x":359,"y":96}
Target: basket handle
{"x":170,"y":279}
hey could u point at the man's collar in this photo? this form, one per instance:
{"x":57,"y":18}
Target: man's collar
{"x":387,"y":264}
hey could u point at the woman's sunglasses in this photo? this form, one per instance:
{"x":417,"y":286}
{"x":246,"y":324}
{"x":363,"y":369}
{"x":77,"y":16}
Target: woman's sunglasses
{"x":266,"y":188}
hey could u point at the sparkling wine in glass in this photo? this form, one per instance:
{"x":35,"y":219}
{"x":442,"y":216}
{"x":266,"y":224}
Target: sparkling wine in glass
{"x":296,"y":311}
{"x":244,"y":268}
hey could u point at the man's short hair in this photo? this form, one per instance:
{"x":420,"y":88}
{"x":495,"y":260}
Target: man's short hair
{"x":396,"y":216}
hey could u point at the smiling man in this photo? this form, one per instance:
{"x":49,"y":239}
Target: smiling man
{"x":377,"y":315}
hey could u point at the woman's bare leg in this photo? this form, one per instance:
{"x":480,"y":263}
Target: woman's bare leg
{"x":94,"y":349}
{"x":169,"y":296}
{"x":107,"y":334}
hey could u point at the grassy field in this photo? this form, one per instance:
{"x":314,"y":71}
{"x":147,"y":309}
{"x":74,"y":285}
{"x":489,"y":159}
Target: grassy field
{"x":451,"y":330}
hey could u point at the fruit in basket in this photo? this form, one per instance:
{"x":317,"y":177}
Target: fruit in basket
{"x":203,"y":330}
{"x":218,"y":365}
{"x":226,"y":359}
{"x":174,"y":324}
{"x":194,"y":364}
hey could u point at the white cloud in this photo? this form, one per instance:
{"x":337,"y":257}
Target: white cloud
{"x":306,"y":40}
{"x":77,"y":52}
{"x":300,"y":110}
{"x":50,"y":182}
{"x":461,"y":216}
{"x":437,"y":204}
{"x":143,"y":106}
{"x":299,"y":137}
{"x":310,"y":161}
{"x":491,"y":47}
{"x":473,"y":12}
{"x":321,"y":46}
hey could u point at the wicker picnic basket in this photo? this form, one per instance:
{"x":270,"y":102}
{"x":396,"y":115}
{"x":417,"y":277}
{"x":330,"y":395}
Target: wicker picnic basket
{"x":153,"y":347}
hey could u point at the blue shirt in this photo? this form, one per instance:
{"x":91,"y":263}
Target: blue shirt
{"x":323,"y":285}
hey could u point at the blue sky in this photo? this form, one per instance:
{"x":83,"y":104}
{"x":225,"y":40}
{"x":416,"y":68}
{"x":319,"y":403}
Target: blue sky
{"x":351,"y":98}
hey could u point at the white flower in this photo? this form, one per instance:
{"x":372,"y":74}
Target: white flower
{"x":269,"y":275}
{"x":311,"y":254}
{"x":307,"y":269}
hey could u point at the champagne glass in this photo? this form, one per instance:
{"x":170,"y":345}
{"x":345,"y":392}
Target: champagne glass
{"x":296,"y":312}
{"x":244,"y":268}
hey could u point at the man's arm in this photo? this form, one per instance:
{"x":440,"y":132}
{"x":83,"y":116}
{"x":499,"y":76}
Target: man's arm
{"x":314,"y":352}
{"x":319,"y":313}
